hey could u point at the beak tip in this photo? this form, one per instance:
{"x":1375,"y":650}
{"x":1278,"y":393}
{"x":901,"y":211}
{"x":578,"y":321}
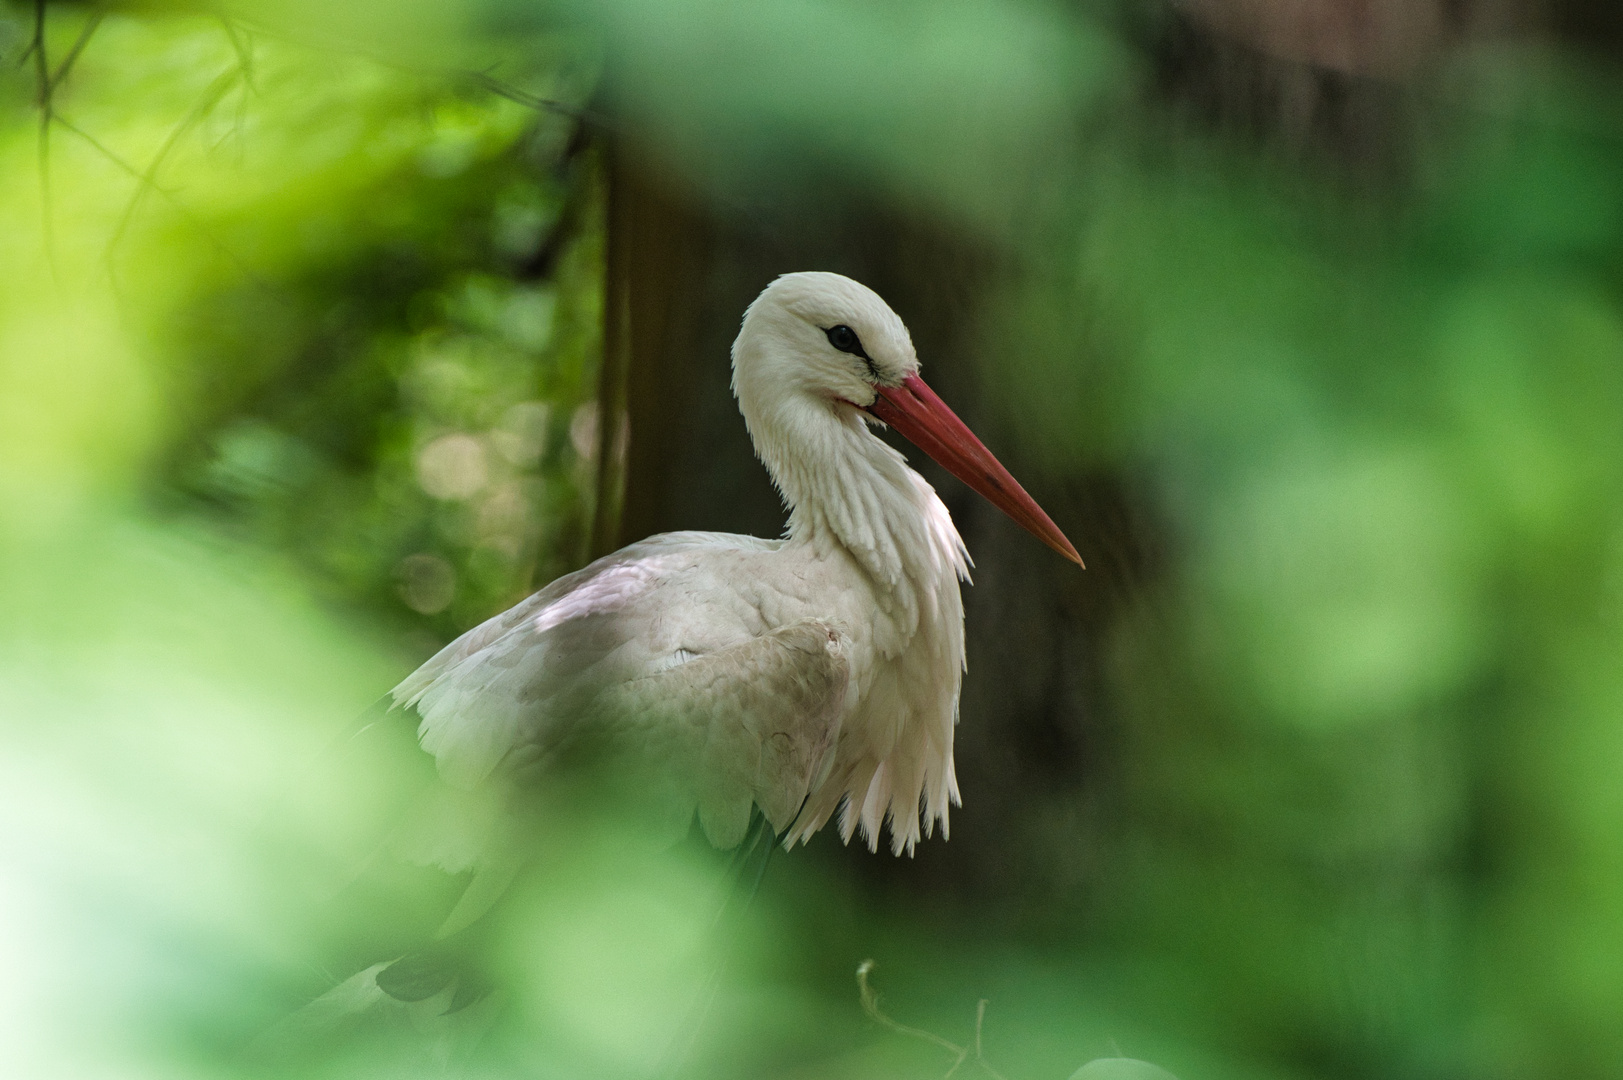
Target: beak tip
{"x":914,"y":410}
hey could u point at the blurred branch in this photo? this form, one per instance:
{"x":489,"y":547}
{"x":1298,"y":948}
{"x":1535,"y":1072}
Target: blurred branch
{"x":488,"y":82}
{"x":870,"y":1005}
{"x":34,"y":38}
{"x":42,"y":72}
{"x":580,"y":172}
{"x":211,"y":97}
{"x":243,"y":49}
{"x":46,"y":82}
{"x":168,"y":196}
{"x":102,"y":148}
{"x":72,"y":58}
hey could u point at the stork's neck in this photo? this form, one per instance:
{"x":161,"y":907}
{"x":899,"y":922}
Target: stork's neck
{"x":844,"y":487}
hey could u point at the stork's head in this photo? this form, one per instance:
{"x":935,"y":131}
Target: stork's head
{"x":819,"y":349}
{"x":821,"y":335}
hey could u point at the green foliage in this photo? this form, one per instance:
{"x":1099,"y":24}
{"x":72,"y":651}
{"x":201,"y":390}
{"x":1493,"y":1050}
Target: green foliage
{"x":1388,"y":446}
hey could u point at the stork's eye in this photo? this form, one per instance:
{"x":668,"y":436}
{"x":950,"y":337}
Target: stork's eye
{"x":845,"y":339}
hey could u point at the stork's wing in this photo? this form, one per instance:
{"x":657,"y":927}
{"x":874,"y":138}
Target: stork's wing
{"x":753,"y":724}
{"x":656,"y":656}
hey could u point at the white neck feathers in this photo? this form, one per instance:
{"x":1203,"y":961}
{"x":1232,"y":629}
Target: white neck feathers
{"x":844,"y":486}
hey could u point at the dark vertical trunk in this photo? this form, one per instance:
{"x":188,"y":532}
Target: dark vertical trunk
{"x":653,"y":365}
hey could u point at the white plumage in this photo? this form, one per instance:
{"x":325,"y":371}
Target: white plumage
{"x":811,"y":675}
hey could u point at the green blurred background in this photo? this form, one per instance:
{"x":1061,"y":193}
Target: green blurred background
{"x":324,"y":335}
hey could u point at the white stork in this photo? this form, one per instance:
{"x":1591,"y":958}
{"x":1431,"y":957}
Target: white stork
{"x":806,"y":675}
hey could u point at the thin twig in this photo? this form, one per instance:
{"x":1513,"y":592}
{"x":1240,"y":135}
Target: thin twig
{"x":870,"y":1005}
{"x":168,"y":196}
{"x":42,"y":74}
{"x":36,"y":49}
{"x":211,"y":97}
{"x":105,"y":152}
{"x":79,"y":44}
{"x":244,"y":50}
{"x":33,"y":43}
{"x":242,"y":43}
{"x":484,"y":80}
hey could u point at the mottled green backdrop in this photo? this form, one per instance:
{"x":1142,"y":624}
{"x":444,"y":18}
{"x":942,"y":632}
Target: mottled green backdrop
{"x":1317,"y":773}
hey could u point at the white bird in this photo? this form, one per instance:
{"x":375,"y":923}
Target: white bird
{"x":810,"y":675}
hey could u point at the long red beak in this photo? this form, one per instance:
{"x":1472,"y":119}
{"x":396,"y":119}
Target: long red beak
{"x":924,"y":419}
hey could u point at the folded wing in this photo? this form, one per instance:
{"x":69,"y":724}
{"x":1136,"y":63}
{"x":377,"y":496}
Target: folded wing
{"x":653,"y":662}
{"x":752,"y":724}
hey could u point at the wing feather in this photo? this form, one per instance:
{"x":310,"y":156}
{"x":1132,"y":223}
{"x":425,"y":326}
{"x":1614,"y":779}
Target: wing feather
{"x":633,"y":657}
{"x":750,"y":724}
